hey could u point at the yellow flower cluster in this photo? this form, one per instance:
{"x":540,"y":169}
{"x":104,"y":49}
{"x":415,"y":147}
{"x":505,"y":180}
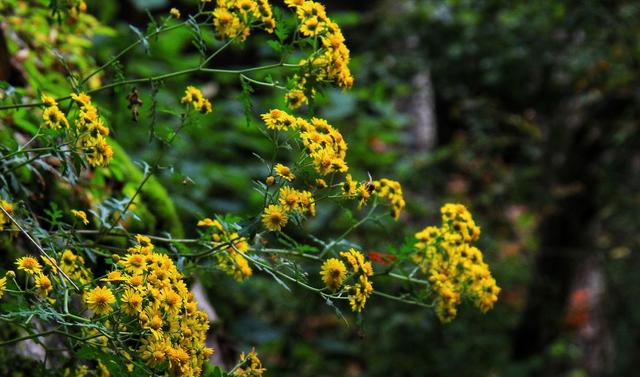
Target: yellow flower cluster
{"x":33,"y":269}
{"x":327,"y":150}
{"x":146,"y":287}
{"x":193,"y":96}
{"x":249,"y":366}
{"x":324,"y":144}
{"x":230,"y":260}
{"x":293,"y":200}
{"x":362,"y":270}
{"x":92,"y":132}
{"x":73,"y":265}
{"x":290,"y":202}
{"x":455,"y":267}
{"x":330,"y":64}
{"x":391,"y":191}
{"x":51,"y":115}
{"x":384,"y":188}
{"x":284,"y":172}
{"x":235,"y":18}
{"x":3,"y":218}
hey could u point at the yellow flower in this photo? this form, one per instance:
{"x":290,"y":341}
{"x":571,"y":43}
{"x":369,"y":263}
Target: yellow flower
{"x":349,"y":186}
{"x":3,"y":286}
{"x":29,"y":265}
{"x":80,"y":215}
{"x":333,"y":272}
{"x":270,"y":180}
{"x":43,"y":285}
{"x":278,"y":120}
{"x":355,"y":259}
{"x":48,"y":100}
{"x":289,"y":198}
{"x":172,"y":301}
{"x":251,"y":365}
{"x":284,"y":172}
{"x":134,"y":263}
{"x":113,"y":276}
{"x":391,"y":191}
{"x":274,"y":218}
{"x":311,"y":9}
{"x":3,"y":218}
{"x":131,"y":302}
{"x":311,"y":27}
{"x":296,"y":98}
{"x":174,"y":12}
{"x":82,"y":98}
{"x":194,"y":96}
{"x":294,"y":3}
{"x":246,"y":6}
{"x":54,"y":118}
{"x":99,"y":300}
{"x":307,"y":204}
{"x":234,"y":264}
{"x":360,"y":292}
{"x":153,"y":350}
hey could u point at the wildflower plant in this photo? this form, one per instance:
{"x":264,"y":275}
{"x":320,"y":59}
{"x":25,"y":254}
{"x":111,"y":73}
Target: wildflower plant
{"x":114,"y":286}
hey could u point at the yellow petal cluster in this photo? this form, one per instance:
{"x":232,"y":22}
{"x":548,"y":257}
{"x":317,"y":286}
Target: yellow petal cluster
{"x":330,"y":64}
{"x":29,"y":264}
{"x":73,"y":265}
{"x":277,"y":119}
{"x":455,"y":267}
{"x":100,"y":300}
{"x":284,"y":172}
{"x":193,"y":96}
{"x":324,"y":144}
{"x":81,"y":215}
{"x":250,"y":366}
{"x":52,"y":116}
{"x":275,"y":218}
{"x":362,"y":270}
{"x":386,"y":189}
{"x":3,"y":218}
{"x":333,"y":272}
{"x":232,"y":245}
{"x":147,"y":288}
{"x":235,"y":18}
{"x":92,"y":132}
{"x":3,"y":285}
